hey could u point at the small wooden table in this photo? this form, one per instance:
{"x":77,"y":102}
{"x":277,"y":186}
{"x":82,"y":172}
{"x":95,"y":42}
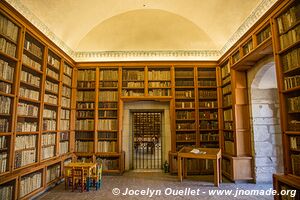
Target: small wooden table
{"x":210,"y":154}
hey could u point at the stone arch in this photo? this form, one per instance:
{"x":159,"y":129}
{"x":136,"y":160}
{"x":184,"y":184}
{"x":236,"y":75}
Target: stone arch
{"x":265,"y":120}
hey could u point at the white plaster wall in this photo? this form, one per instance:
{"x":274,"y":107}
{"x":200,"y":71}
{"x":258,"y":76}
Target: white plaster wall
{"x":127,"y":133}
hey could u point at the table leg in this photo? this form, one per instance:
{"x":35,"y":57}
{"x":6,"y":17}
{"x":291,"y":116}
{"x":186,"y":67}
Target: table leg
{"x":216,"y":173}
{"x":220,"y":169}
{"x":185,"y":167}
{"x":179,"y":168}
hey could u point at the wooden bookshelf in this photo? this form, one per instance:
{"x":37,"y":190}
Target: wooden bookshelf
{"x":287,"y":49}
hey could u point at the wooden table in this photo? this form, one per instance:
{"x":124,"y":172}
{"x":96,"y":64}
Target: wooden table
{"x":210,"y":154}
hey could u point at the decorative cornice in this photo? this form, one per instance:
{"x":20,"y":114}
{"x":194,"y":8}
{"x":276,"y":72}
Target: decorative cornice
{"x":147,"y":55}
{"x":193,"y":55}
{"x":255,"y":15}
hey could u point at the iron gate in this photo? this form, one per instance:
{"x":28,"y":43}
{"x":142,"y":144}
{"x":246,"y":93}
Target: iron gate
{"x":147,"y":144}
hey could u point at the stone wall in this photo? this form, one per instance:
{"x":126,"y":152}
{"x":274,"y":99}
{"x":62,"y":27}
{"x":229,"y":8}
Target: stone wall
{"x":265,"y":120}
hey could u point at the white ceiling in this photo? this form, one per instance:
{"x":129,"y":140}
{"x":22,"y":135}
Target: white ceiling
{"x":141,"y":25}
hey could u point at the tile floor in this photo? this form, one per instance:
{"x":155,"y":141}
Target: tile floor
{"x":160,"y":184}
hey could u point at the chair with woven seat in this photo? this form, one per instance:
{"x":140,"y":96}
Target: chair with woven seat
{"x":95,"y":179}
{"x":79,"y":178}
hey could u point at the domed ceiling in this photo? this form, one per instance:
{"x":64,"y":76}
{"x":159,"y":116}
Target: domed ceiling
{"x":96,"y":30}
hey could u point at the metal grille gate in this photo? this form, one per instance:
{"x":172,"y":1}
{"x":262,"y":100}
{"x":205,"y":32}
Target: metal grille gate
{"x":147,"y":144}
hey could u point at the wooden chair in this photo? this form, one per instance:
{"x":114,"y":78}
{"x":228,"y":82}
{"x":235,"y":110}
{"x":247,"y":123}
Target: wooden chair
{"x":95,"y":178}
{"x":79,"y":178}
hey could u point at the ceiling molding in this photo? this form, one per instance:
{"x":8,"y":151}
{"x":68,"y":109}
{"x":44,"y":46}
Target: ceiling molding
{"x":189,"y":55}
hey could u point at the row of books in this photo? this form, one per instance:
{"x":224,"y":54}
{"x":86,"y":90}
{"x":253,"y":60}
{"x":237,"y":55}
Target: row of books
{"x":228,"y":135}
{"x":50,"y":114}
{"x":48,"y":139}
{"x":8,"y":28}
{"x":183,"y":126}
{"x":6,"y":71}
{"x":288,"y":19}
{"x":108,"y":75}
{"x":228,"y":115}
{"x":207,"y":94}
{"x":33,"y":48}
{"x":5,"y":87}
{"x":226,"y":166}
{"x":4,"y":125}
{"x":6,"y":192}
{"x":27,"y":109}
{"x":184,"y":73}
{"x":263,"y":35}
{"x":5,"y":103}
{"x":108,"y":96}
{"x":103,"y":105}
{"x":208,"y":115}
{"x":208,"y":125}
{"x":107,"y":135}
{"x":184,"y":83}
{"x":30,"y":183}
{"x":295,"y":142}
{"x":84,"y":135}
{"x":49,"y":125}
{"x":66,"y":92}
{"x":107,"y":124}
{"x":85,"y":114}
{"x":86,"y":84}
{"x":85,"y":96}
{"x":68,"y":69}
{"x":291,"y":82}
{"x":3,"y":142}
{"x":159,"y":84}
{"x":65,"y":102}
{"x":53,"y":61}
{"x":108,"y":164}
{"x":27,"y":126}
{"x":295,"y":158}
{"x":7,"y":47}
{"x":30,"y":78}
{"x":229,"y":147}
{"x":107,"y":113}
{"x":294,"y":104}
{"x":185,"y":114}
{"x":226,"y":80}
{"x":52,"y":73}
{"x":127,"y":93}
{"x":203,"y":73}
{"x":184,"y":104}
{"x":133,"y":84}
{"x":84,"y":146}
{"x":53,"y":87}
{"x":87,"y":124}
{"x":225,"y":70}
{"x":208,"y":104}
{"x":106,"y":146}
{"x":226,"y":89}
{"x":53,"y":172}
{"x":159,"y":92}
{"x":228,"y":125}
{"x":184,"y":94}
{"x":64,"y":136}
{"x":25,"y":142}
{"x":64,"y":124}
{"x":32,"y":63}
{"x":49,"y":98}
{"x":159,"y":75}
{"x":25,"y":157}
{"x":186,"y":136}
{"x":3,"y":162}
{"x":291,"y":60}
{"x":209,"y":137}
{"x":63,"y":147}
{"x":86,"y":105}
{"x":135,"y":75}
{"x":67,"y":80}
{"x":108,"y":84}
{"x":48,"y":152}
{"x":86,"y":75}
{"x":65,"y":114}
{"x":28,"y":93}
{"x":207,"y":83}
{"x":290,"y":37}
{"x":227,"y":100}
{"x":247,"y":47}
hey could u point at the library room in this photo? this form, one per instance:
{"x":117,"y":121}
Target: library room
{"x":149,"y":99}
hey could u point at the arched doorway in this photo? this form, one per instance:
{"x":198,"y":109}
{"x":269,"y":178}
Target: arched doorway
{"x":265,"y":120}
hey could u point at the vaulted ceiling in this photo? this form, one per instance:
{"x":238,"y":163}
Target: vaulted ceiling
{"x":141,"y":25}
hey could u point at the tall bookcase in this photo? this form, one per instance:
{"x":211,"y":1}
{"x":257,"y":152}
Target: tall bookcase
{"x":31,"y":71}
{"x":286,"y":28}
